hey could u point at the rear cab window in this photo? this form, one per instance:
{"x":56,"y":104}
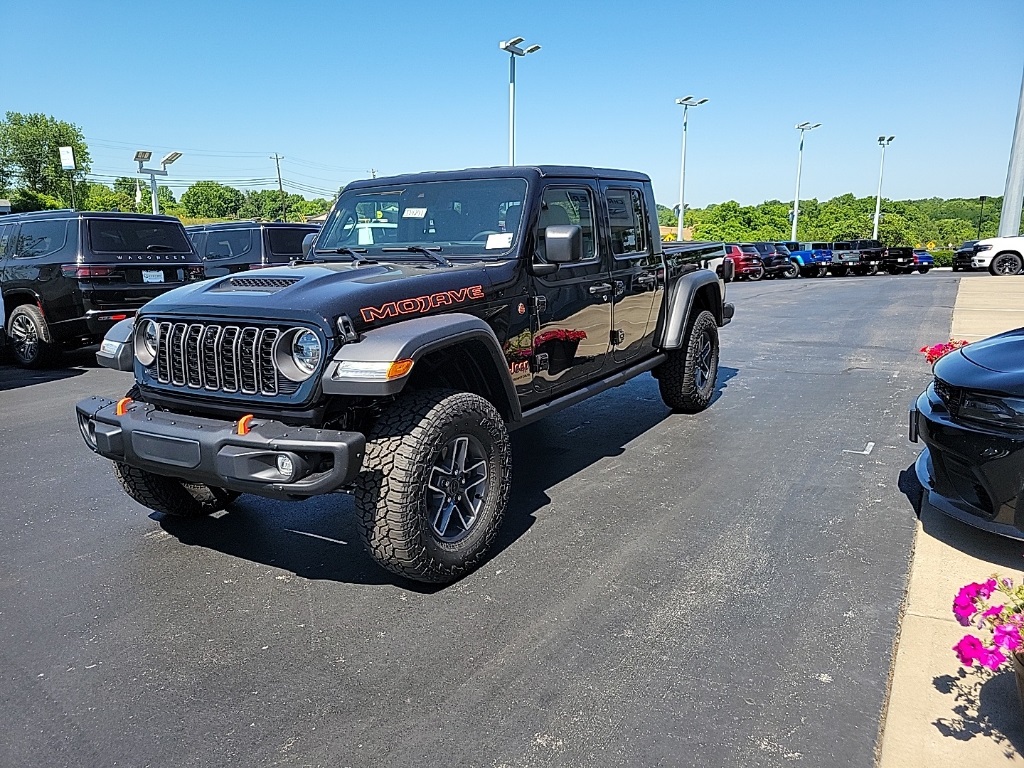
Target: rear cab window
{"x":627,"y":221}
{"x":228,"y":243}
{"x":286,"y":244}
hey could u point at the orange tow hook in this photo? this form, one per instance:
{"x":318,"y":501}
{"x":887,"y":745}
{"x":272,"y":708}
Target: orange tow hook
{"x":243,"y":424}
{"x":122,"y":406}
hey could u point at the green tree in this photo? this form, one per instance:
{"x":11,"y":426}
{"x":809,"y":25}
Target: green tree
{"x":954,"y":231}
{"x":30,"y":157}
{"x":99,"y":197}
{"x":261,"y":204}
{"x":210,"y":199}
{"x":667,"y":217}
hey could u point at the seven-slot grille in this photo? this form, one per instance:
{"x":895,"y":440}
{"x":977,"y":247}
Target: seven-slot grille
{"x":220,"y":358}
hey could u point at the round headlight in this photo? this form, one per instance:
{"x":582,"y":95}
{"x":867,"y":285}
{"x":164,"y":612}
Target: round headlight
{"x":147,"y":337}
{"x":306,"y":351}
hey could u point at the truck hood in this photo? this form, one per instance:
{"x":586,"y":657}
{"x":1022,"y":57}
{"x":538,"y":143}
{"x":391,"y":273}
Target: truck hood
{"x":370,"y":294}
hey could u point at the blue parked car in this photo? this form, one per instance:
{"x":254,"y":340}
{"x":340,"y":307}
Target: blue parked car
{"x":813,"y":259}
{"x":923,"y":261}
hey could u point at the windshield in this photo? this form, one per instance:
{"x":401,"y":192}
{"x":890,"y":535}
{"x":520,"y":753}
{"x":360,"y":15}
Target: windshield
{"x":467,"y":217}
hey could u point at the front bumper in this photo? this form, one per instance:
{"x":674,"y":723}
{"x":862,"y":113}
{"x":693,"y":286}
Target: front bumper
{"x":211,"y":451}
{"x":974,"y":475}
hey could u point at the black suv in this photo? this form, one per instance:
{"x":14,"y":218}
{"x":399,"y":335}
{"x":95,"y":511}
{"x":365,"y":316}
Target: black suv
{"x":241,"y":245}
{"x":396,"y":368}
{"x":963,"y":255}
{"x":67,"y":276}
{"x":777,"y":261}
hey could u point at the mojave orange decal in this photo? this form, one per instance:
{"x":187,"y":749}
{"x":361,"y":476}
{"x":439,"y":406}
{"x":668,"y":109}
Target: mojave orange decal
{"x":422,"y":304}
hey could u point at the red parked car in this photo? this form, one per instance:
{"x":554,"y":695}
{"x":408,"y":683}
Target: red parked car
{"x":746,"y":260}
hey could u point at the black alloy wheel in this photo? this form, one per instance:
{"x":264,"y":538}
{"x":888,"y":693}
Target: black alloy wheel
{"x":756,"y":273}
{"x":1006,"y":264}
{"x":687,"y":378}
{"x":792,"y":271}
{"x":29,"y":336}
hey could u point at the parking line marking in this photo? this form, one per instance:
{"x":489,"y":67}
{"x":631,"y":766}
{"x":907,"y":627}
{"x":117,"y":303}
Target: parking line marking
{"x":867,"y":450}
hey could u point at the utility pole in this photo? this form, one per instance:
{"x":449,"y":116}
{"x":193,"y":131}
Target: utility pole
{"x":802,"y":127}
{"x":284,"y":213}
{"x":1013,"y":197}
{"x":981,"y":215}
{"x":883,"y":142}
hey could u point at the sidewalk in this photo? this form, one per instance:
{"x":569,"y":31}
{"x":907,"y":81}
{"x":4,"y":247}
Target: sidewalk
{"x":936,"y":717}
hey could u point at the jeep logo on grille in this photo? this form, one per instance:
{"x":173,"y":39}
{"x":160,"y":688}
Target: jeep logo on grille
{"x":422,"y":304}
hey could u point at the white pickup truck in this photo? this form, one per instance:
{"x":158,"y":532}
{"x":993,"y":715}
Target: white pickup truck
{"x":999,"y":255}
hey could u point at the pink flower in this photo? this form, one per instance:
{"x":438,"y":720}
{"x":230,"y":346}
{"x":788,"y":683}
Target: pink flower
{"x":992,"y":659}
{"x":969,"y":649}
{"x":995,"y":610}
{"x":1007,"y":637}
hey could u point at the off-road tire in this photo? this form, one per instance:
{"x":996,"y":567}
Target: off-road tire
{"x":1006,"y":263}
{"x":170,"y":496}
{"x":679,"y":376}
{"x":871,"y":270}
{"x":41,"y":352}
{"x":392,"y":493}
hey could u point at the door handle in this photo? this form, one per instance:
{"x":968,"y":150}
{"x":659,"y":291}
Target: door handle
{"x":597,"y":288}
{"x":646,"y":279}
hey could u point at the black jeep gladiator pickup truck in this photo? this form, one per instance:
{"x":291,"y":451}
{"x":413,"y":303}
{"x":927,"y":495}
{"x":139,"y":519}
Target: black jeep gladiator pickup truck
{"x":396,"y":369}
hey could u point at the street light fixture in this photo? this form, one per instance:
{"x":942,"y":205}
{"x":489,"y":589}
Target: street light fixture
{"x":685,"y":103}
{"x":883,"y":142}
{"x":143,"y":156}
{"x":802,"y":127}
{"x":513,"y":48}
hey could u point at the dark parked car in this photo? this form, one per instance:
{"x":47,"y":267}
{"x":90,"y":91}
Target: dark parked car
{"x":963,"y":255}
{"x":746,"y":261}
{"x":240,"y":245}
{"x":899,"y":260}
{"x":67,"y":276}
{"x":777,"y":261}
{"x":971,"y":420}
{"x":923,"y":261}
{"x":870,"y":256}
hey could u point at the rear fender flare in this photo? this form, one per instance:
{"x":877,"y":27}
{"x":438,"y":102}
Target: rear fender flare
{"x":680,"y":302}
{"x":413,"y":340}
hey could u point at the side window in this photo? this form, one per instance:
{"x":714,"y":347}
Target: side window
{"x":227,"y":244}
{"x":5,"y":231}
{"x":564,"y":205}
{"x":39,"y":238}
{"x":628,"y":222}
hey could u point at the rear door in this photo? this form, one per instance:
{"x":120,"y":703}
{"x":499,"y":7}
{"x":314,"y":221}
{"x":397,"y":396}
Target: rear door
{"x":634,"y":269}
{"x":573,"y":305}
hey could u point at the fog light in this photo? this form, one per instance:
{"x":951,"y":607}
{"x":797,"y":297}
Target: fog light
{"x":285,"y":465}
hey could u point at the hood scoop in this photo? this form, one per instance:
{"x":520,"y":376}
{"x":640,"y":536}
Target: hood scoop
{"x":267,"y":284}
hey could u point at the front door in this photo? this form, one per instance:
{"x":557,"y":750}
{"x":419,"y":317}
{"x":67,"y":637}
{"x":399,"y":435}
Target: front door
{"x":573,"y":306}
{"x":634,"y":270}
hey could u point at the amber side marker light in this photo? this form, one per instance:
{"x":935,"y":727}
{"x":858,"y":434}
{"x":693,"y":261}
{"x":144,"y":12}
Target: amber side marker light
{"x":398,"y":369}
{"x":243,"y":424}
{"x":122,"y":406}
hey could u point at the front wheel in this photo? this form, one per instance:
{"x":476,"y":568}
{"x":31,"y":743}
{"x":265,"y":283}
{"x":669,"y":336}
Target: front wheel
{"x":434,"y":485}
{"x":687,"y":379}
{"x":170,"y":496}
{"x":1006,"y":264}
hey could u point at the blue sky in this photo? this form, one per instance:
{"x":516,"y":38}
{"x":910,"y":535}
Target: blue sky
{"x":338,"y":88}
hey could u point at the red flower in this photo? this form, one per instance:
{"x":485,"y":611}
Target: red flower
{"x":934,"y":352}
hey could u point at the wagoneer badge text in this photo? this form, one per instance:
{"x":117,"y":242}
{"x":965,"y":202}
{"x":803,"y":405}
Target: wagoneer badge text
{"x":422,"y":303}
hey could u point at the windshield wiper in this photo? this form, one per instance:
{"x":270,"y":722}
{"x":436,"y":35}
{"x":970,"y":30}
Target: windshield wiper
{"x":159,"y":247}
{"x":354,"y":253}
{"x":437,"y":258}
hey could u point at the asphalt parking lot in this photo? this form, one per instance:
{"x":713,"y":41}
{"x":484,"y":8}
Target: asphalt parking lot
{"x":719,"y":589}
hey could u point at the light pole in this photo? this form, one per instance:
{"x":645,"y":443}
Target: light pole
{"x":143,"y":156}
{"x":981,"y":215}
{"x":686,"y":103}
{"x":802,"y":127}
{"x":883,"y":142}
{"x":513,"y":49}
{"x":1013,"y":195}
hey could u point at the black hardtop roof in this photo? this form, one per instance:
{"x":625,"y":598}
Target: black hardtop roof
{"x":528,"y":172}
{"x":251,"y":224}
{"x":70,"y":213}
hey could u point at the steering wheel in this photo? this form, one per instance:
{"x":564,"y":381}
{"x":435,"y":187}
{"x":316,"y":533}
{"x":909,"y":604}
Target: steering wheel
{"x":482,"y":235}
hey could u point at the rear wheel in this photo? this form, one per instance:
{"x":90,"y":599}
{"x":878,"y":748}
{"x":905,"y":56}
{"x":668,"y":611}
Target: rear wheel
{"x":893,"y":270}
{"x":956,"y":268}
{"x":840,"y":271}
{"x":792,"y":271}
{"x":30,"y":340}
{"x":434,"y":485}
{"x":822,"y":271}
{"x":171,"y":496}
{"x":687,"y":379}
{"x":756,"y":273}
{"x":871,"y":269}
{"x":923,"y":270}
{"x":1006,"y":264}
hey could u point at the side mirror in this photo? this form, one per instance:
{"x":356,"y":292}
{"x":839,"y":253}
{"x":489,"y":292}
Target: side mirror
{"x":307,"y":243}
{"x":564,"y":243}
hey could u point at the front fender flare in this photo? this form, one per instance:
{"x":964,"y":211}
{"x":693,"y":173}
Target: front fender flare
{"x":412,"y":340}
{"x":117,"y":350}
